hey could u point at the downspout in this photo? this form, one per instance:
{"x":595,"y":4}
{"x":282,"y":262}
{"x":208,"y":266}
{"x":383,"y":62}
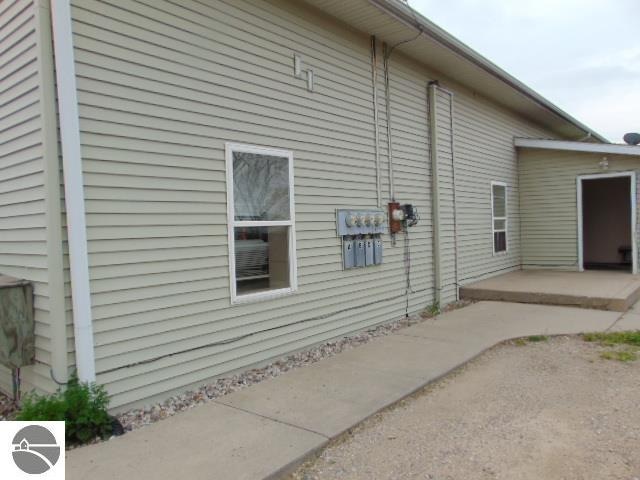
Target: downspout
{"x":376,"y":128}
{"x":73,"y":188}
{"x":453,"y":182}
{"x":435,"y":192}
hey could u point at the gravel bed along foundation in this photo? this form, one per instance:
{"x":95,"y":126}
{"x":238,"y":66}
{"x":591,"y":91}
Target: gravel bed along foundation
{"x":7,"y":407}
{"x":139,"y":417}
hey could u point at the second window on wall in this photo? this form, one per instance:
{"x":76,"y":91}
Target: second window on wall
{"x":499,"y":216}
{"x":261,"y":222}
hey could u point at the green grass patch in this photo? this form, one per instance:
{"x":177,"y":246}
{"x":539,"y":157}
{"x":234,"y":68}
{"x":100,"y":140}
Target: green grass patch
{"x":614,"y":338}
{"x":520,"y":342}
{"x":620,"y":355}
{"x":538,"y":338}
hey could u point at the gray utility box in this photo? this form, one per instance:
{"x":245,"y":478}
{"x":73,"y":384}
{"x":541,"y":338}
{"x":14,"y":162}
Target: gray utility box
{"x":368,"y":246}
{"x":17,"y":335}
{"x":360,"y":222}
{"x":377,"y":250}
{"x":360,"y":252}
{"x":348,"y":253}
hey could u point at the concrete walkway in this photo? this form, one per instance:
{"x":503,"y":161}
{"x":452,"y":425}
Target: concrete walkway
{"x":265,"y":430}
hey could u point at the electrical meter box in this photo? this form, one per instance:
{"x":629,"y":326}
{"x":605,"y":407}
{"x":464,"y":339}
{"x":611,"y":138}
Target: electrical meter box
{"x":377,"y":250}
{"x":368,"y":249}
{"x":348,"y":253}
{"x":360,"y":229}
{"x":360,"y":252}
{"x":17,"y":326}
{"x":361,"y":222}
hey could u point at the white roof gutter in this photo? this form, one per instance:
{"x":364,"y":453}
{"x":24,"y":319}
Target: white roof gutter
{"x":74,"y":189}
{"x":607,"y":148}
{"x":412,"y":18}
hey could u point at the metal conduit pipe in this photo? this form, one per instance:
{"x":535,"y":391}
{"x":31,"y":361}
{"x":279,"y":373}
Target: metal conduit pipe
{"x":435,"y":191}
{"x":453,"y":181}
{"x":376,"y":125}
{"x":434,"y":86}
{"x":387,"y":94}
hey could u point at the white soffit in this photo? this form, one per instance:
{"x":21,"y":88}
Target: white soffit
{"x":392,"y":21}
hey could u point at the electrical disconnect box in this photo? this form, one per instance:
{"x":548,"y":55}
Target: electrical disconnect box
{"x":361,"y":232}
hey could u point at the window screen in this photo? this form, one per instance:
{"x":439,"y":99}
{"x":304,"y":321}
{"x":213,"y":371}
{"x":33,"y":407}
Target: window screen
{"x":499,"y":216}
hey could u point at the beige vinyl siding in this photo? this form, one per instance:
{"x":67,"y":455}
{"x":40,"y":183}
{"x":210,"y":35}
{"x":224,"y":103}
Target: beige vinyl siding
{"x":162,"y":86}
{"x":549,"y":203}
{"x":27,"y":155}
{"x":484,"y":152}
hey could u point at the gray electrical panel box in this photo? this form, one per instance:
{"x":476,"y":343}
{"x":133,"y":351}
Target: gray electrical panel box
{"x":360,"y":252}
{"x":360,"y":222}
{"x":377,"y":250}
{"x":361,"y":231}
{"x":368,"y":249}
{"x":348,"y":253}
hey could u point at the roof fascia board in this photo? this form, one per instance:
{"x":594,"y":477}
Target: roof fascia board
{"x":408,"y":16}
{"x":609,"y":148}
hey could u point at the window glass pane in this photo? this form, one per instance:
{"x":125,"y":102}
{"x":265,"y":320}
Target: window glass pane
{"x":499,"y":224}
{"x":260,"y":187}
{"x":499,"y":201}
{"x":262,"y":259}
{"x":500,"y":242}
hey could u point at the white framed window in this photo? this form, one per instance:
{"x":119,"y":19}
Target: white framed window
{"x":499,"y":223}
{"x":261,"y":222}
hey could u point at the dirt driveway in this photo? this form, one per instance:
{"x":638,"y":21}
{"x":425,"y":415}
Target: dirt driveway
{"x":546,"y":410}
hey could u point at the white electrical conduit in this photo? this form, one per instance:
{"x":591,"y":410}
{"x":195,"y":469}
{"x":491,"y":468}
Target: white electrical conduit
{"x":376,"y":128}
{"x":453,"y":182}
{"x":435,"y":192}
{"x":433,"y":120}
{"x":74,"y":189}
{"x":387,"y":95}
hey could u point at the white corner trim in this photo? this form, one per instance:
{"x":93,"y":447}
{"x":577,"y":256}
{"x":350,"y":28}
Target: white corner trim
{"x":609,"y":148}
{"x":74,"y":189}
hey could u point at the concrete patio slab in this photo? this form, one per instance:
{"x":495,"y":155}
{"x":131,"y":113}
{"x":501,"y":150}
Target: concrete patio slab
{"x":604,"y":290}
{"x":265,"y":430}
{"x":207,"y":442}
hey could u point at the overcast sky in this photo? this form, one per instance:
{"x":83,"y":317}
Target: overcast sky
{"x":583,"y":55}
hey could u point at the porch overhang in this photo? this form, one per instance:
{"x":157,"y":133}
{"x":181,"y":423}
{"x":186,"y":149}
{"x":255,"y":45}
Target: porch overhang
{"x":603,"y":148}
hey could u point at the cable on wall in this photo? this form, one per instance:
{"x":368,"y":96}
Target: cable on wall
{"x":248,"y":335}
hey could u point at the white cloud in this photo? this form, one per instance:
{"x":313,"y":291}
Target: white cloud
{"x":581,"y":54}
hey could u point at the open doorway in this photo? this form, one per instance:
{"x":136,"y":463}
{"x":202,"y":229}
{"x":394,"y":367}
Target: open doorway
{"x":606,"y":208}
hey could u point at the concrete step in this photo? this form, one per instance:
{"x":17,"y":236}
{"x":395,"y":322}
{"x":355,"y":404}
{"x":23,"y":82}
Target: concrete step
{"x":614,"y":291}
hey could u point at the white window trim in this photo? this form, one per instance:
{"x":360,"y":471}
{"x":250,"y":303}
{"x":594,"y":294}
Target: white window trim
{"x":231,"y":223}
{"x":505,"y":218}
